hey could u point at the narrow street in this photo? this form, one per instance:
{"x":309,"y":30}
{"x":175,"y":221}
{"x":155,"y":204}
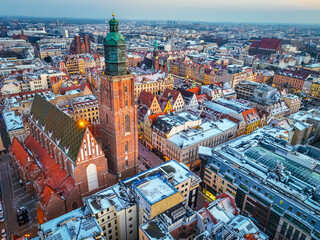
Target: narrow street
{"x":14,"y":197}
{"x":10,"y":218}
{"x":148,"y":158}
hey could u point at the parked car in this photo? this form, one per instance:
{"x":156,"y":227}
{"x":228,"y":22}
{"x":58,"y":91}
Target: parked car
{"x":23,"y":221}
{"x":21,"y":209}
{"x":24,"y":212}
{"x":22,"y":217}
{"x":2,"y":219}
{"x":1,"y":214}
{"x":3,"y":232}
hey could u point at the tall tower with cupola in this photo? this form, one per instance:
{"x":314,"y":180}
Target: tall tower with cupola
{"x":118,"y":113}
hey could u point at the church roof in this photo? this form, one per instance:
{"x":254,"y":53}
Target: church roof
{"x":62,"y":129}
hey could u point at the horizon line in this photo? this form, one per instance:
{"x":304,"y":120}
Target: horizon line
{"x":155,"y":20}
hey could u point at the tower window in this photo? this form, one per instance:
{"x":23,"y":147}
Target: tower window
{"x":127,"y":123}
{"x":107,"y":118}
{"x":126,"y":103}
{"x":126,"y":148}
{"x":125,"y":89}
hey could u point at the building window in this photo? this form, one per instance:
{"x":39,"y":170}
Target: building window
{"x":126,"y":148}
{"x":126,"y":103}
{"x":107,"y":118}
{"x":74,"y":205}
{"x":125,"y":89}
{"x":127,"y":123}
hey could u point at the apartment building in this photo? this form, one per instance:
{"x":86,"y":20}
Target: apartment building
{"x":122,"y":208}
{"x":184,"y":145}
{"x":16,"y":125}
{"x":267,"y":176}
{"x":155,"y":83}
{"x":83,"y":108}
{"x":176,"y":99}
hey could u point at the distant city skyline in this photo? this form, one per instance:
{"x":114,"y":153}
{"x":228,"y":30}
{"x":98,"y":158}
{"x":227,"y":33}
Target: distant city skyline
{"x":271,"y":11}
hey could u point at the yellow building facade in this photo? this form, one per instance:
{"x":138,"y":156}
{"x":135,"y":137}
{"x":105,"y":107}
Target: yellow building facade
{"x":315,"y":89}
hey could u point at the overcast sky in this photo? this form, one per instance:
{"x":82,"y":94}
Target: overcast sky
{"x":270,"y":11}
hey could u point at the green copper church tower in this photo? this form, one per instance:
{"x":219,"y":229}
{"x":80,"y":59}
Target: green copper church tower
{"x":115,"y":50}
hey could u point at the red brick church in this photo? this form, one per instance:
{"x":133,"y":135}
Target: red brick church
{"x":60,"y":161}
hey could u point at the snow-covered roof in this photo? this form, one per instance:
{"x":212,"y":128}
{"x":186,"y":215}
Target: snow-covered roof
{"x":174,"y":171}
{"x":153,"y":230}
{"x":154,"y":189}
{"x":12,"y":121}
{"x":201,"y":133}
{"x":114,"y":196}
{"x":78,"y":224}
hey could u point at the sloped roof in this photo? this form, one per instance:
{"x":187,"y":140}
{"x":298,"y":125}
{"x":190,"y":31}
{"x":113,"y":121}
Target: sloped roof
{"x":142,"y":111}
{"x":270,"y":43}
{"x":250,"y":114}
{"x":267,"y":43}
{"x":18,"y":151}
{"x":146,"y":98}
{"x":168,"y":92}
{"x":82,"y":87}
{"x":153,"y":117}
{"x":65,"y":89}
{"x":195,"y":90}
{"x":187,"y":94}
{"x":46,"y":195}
{"x":65,"y":131}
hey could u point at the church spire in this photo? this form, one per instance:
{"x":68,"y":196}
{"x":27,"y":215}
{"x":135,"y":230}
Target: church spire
{"x":155,"y":46}
{"x":113,"y":23}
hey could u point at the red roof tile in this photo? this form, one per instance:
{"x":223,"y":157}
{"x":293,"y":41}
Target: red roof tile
{"x":65,"y":89}
{"x":46,"y":195}
{"x":250,"y":114}
{"x":153,"y":117}
{"x":267,"y":43}
{"x":195,"y":90}
{"x":53,"y":175}
{"x":168,"y":92}
{"x":18,"y":151}
{"x":146,"y":98}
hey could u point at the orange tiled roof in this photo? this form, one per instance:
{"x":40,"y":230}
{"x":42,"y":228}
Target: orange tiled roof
{"x":251,"y":112}
{"x":195,"y":90}
{"x":18,"y":151}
